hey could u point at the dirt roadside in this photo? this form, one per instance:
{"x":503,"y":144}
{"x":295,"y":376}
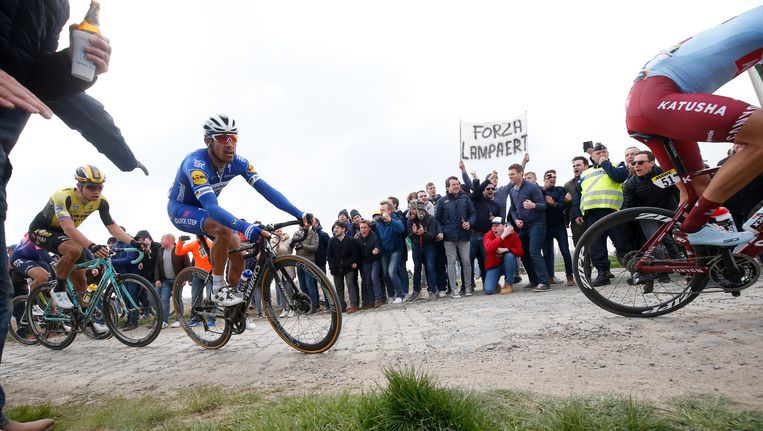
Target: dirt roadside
{"x":556,"y":342}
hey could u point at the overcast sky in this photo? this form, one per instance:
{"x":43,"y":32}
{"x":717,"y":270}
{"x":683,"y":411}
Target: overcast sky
{"x":340,"y":104}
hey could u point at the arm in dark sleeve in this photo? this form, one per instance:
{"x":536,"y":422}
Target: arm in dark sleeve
{"x":103,"y":211}
{"x":629,"y":197}
{"x":617,"y":174}
{"x":471,"y":213}
{"x":276,"y":198}
{"x":467,"y":181}
{"x":576,"y":202}
{"x":51,"y":78}
{"x":537,"y":197}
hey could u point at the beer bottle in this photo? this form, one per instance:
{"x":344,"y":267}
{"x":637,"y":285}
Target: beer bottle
{"x":91,"y":23}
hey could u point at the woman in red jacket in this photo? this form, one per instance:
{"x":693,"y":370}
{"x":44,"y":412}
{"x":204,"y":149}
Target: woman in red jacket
{"x":502,"y":248}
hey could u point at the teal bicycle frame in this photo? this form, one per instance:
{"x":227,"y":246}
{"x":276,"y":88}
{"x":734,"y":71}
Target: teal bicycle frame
{"x":125,"y":300}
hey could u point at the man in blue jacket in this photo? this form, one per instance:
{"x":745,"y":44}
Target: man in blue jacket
{"x":456,"y":215}
{"x":389,"y":227}
{"x":528,"y":210}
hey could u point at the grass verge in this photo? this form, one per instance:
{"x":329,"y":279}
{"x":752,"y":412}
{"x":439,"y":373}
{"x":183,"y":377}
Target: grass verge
{"x":410,"y":401}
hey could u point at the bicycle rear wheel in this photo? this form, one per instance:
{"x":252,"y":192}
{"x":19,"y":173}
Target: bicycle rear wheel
{"x":19,"y":324}
{"x":138,"y":320}
{"x":53,"y":328}
{"x":662,"y":294}
{"x":201,"y":319}
{"x":307,"y":326}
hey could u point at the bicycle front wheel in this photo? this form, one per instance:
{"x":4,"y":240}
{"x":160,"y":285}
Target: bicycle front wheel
{"x":54,"y":328}
{"x":201,"y":319}
{"x":308,"y":318}
{"x":19,"y":324}
{"x":614,"y":244}
{"x":138,"y":319}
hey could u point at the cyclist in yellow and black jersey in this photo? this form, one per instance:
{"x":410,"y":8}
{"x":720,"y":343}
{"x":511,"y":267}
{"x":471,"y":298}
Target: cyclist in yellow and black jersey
{"x":55,"y":228}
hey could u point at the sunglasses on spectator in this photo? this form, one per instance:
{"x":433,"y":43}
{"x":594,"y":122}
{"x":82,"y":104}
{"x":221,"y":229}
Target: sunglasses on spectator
{"x":548,"y":177}
{"x":225,"y":138}
{"x":489,"y":189}
{"x":638,"y":162}
{"x":94,"y":187}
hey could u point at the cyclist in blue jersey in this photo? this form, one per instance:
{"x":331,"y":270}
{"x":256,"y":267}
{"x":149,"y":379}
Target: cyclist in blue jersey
{"x":193,"y":205}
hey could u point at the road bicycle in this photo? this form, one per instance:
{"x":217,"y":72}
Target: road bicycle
{"x":307,"y":325}
{"x":134,"y":315}
{"x":658,"y":271}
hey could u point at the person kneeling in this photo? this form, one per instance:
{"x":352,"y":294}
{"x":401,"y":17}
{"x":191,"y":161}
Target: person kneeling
{"x":502,"y":247}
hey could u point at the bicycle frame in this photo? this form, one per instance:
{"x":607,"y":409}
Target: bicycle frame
{"x":108,"y":276}
{"x":751,"y":249}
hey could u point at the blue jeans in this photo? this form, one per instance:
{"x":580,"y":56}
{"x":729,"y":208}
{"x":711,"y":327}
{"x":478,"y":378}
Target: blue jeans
{"x":559,"y":234}
{"x":372,"y":273}
{"x":424,"y":256}
{"x":532,"y":237}
{"x":197,"y":285}
{"x":391,"y":263}
{"x":478,"y":252}
{"x":507,"y":269}
{"x":308,"y":285}
{"x":165,"y":292}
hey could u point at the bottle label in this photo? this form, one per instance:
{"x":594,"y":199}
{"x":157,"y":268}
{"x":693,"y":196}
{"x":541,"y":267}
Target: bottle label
{"x":754,"y":223}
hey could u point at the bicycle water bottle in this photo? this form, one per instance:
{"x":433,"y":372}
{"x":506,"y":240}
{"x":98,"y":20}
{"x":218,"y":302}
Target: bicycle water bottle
{"x":722,"y":217}
{"x":245,"y":276}
{"x":89,"y":293}
{"x":754,"y":223}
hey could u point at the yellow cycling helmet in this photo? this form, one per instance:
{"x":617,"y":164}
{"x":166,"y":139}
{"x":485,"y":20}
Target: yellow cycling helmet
{"x":89,"y":174}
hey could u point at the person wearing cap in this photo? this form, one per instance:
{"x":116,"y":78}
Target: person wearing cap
{"x":598,"y":194}
{"x":485,"y":208}
{"x":502,"y":247}
{"x":422,"y":230}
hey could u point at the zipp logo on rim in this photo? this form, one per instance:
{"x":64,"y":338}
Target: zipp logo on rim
{"x":652,"y":216}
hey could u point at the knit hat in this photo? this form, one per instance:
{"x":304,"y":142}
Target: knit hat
{"x":343,"y":211}
{"x":599,"y":146}
{"x":354,"y":213}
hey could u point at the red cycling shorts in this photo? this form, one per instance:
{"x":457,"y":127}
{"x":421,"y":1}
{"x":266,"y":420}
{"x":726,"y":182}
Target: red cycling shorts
{"x":656,"y":106}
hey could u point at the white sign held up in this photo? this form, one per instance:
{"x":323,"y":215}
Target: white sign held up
{"x":495,"y":140}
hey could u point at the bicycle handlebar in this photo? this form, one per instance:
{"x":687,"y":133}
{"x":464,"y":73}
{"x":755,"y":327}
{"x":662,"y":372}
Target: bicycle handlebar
{"x":128,"y":249}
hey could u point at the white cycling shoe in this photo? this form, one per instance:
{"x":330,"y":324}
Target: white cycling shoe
{"x":225,"y":297}
{"x":712,"y":234}
{"x":100,"y":328}
{"x":61,"y":300}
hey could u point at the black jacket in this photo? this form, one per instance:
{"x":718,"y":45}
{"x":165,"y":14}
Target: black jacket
{"x":451,"y":212}
{"x":367,"y":245}
{"x":642,"y":192}
{"x":431,"y":227}
{"x":342,"y":254}
{"x":29,"y":33}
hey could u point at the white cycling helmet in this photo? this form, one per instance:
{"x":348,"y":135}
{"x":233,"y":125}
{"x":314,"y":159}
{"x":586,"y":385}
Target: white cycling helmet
{"x":220,"y":124}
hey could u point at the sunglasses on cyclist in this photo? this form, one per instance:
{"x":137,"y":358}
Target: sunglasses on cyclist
{"x":225,"y":138}
{"x":94,"y":187}
{"x":638,"y":162}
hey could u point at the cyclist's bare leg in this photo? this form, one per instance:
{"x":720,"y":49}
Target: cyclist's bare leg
{"x":225,"y":239}
{"x":738,"y":170}
{"x":70,"y":252}
{"x":79,"y":280}
{"x":38,"y":275}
